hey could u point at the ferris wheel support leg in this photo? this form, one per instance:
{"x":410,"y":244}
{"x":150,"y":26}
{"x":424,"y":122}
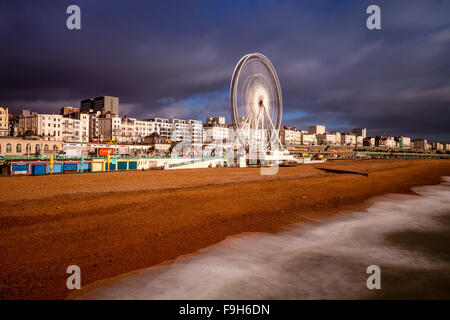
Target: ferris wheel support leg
{"x":255,"y":131}
{"x":275,"y":131}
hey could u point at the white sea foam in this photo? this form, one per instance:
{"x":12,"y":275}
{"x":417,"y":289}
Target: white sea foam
{"x":324,"y":261}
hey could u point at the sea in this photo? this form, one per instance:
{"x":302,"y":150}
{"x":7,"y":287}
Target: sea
{"x":406,"y":238}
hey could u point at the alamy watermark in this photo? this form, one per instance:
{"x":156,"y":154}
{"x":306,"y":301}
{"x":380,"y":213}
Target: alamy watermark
{"x":74,"y":280}
{"x":73,"y":22}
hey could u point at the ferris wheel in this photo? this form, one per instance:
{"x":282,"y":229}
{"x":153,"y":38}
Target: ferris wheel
{"x":256,"y":103}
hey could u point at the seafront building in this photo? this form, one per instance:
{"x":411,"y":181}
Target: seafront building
{"x":98,"y":121}
{"x":348,"y":139}
{"x":360,"y":132}
{"x":421,"y":144}
{"x":317,"y":129}
{"x":99,"y":125}
{"x":404,"y":142}
{"x":309,"y":139}
{"x":54,"y":127}
{"x":4,"y":122}
{"x":103,"y":104}
{"x":20,"y":146}
{"x":328,"y":139}
{"x":215,"y":130}
{"x":290,"y":136}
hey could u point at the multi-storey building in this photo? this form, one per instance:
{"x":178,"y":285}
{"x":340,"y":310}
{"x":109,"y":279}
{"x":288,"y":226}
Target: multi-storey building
{"x":47,"y":126}
{"x":290,"y":135}
{"x":337,"y":137}
{"x":162,"y":126}
{"x":196,"y":131}
{"x":404,"y":142}
{"x":348,"y":139}
{"x":179,"y":130}
{"x":316,"y":129}
{"x":329,"y":139}
{"x":369,"y":142}
{"x":128,"y":130}
{"x":421,"y":144}
{"x":391,"y":143}
{"x":215,"y":129}
{"x":359,"y":140}
{"x":143,"y":129}
{"x":4,"y":122}
{"x":94,"y":135}
{"x":109,"y":128}
{"x":104,"y":104}
{"x":55,"y":126}
{"x":75,"y":129}
{"x":215,"y":134}
{"x":385,"y":142}
{"x":437,"y":146}
{"x":309,"y":139}
{"x":360,"y":132}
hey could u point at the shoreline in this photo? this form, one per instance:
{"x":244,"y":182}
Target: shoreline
{"x":142,"y":227}
{"x":219,"y":268}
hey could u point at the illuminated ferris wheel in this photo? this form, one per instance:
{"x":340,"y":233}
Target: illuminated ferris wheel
{"x":256,"y":103}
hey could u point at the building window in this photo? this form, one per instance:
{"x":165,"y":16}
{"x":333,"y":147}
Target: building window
{"x":38,"y":148}
{"x":46,"y":147}
{"x":8,"y":148}
{"x":28,"y":148}
{"x":55,"y":147}
{"x":18,"y":148}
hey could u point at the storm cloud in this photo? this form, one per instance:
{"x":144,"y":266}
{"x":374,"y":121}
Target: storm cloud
{"x":175,"y":59}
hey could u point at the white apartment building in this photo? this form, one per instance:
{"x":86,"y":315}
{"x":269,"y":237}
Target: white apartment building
{"x":404,"y":142}
{"x":196,"y":131}
{"x":127,"y":130}
{"x":46,"y":125}
{"x":215,"y":134}
{"x":359,"y":140}
{"x":309,"y":139}
{"x":163,"y":127}
{"x":337,"y":137}
{"x":290,"y":136}
{"x":390,"y":142}
{"x":348,"y":139}
{"x":143,"y":128}
{"x":133,"y":130}
{"x":4,"y":122}
{"x":179,"y":130}
{"x":328,"y":139}
{"x":75,"y":130}
{"x":316,"y":129}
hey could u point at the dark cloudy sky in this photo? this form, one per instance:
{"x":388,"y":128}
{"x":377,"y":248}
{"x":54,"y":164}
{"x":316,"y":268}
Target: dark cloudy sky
{"x":175,"y":59}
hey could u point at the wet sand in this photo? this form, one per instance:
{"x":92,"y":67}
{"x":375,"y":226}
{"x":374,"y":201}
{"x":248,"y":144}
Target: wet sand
{"x":113,"y":223}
